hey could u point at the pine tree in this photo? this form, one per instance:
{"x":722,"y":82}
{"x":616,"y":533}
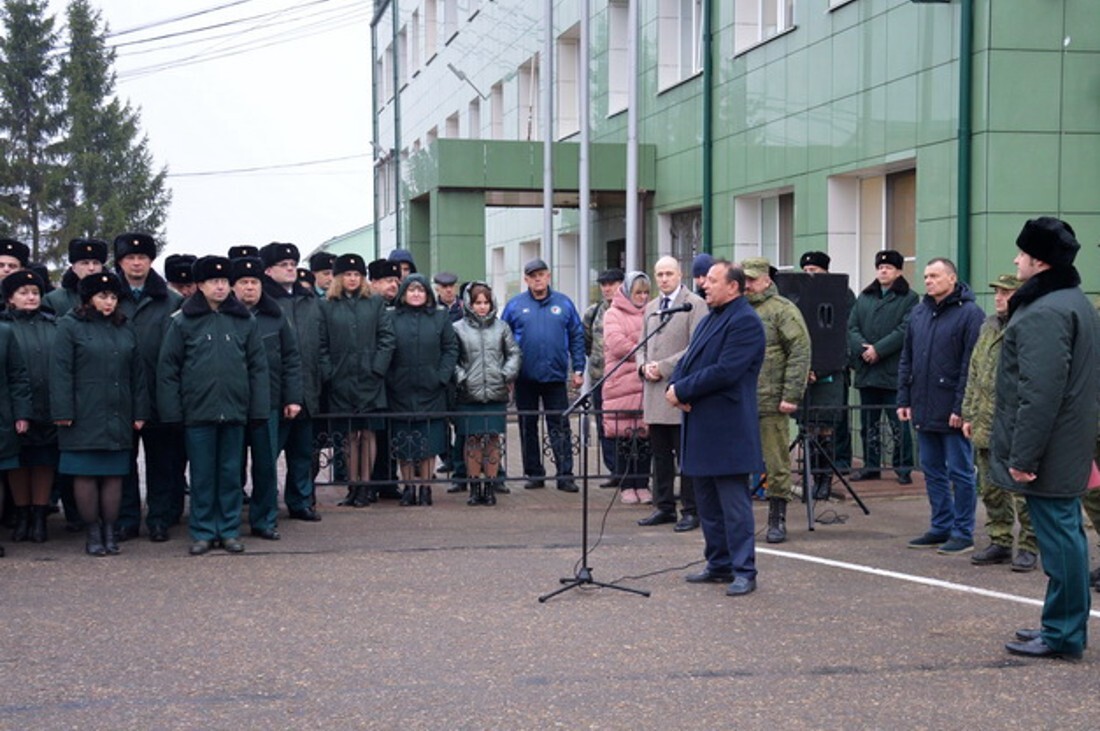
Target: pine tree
{"x":31,"y":123}
{"x":111,"y":183}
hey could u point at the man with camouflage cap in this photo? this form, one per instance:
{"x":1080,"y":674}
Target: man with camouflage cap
{"x":780,"y":387}
{"x":1002,"y":508}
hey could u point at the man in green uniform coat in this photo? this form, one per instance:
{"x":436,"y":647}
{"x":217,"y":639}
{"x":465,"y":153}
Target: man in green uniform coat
{"x":212,"y":377}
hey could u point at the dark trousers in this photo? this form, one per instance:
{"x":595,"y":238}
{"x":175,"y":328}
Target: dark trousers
{"x":664,"y":441}
{"x":295,"y":437}
{"x":870,"y":430}
{"x":554,"y":400}
{"x":263,"y":443}
{"x":607,"y":445}
{"x":725,"y":514}
{"x":1065,"y":552}
{"x":165,"y":479}
{"x":215,"y":453}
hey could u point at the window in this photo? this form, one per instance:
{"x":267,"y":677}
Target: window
{"x":618,"y":29}
{"x":450,"y":129}
{"x":473,"y":119}
{"x":568,"y":86}
{"x":431,"y":29}
{"x":496,"y":112}
{"x":414,"y":42}
{"x":529,"y":100}
{"x":431,"y":136}
{"x":450,"y":19}
{"x":764,"y":226}
{"x":387,"y":72}
{"x":755,"y":21}
{"x":680,"y":41}
{"x":400,"y":57}
{"x":680,"y":235}
{"x":384,"y":184}
{"x":871,"y":210}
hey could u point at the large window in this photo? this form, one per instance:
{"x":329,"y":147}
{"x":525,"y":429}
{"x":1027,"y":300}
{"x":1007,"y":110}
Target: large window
{"x":496,"y":111}
{"x":431,"y":29}
{"x":529,"y":99}
{"x":400,"y":58}
{"x":450,"y":19}
{"x":755,"y":21}
{"x":473,"y":119}
{"x":618,"y":30}
{"x":871,"y":210}
{"x":414,"y":42}
{"x":568,"y":82}
{"x":680,"y":235}
{"x":680,"y":40}
{"x":764,"y":226}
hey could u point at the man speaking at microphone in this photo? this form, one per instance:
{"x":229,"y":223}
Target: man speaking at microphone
{"x":656,"y":360}
{"x":714,"y":386}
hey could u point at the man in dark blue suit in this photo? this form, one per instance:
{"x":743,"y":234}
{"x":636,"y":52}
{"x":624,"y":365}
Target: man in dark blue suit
{"x":715,"y":387}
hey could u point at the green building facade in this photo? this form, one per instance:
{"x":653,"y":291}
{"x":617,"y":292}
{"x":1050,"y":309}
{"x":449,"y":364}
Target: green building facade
{"x":834,"y":125}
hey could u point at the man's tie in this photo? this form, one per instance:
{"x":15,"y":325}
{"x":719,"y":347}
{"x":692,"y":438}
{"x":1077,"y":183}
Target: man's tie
{"x":665,"y":300}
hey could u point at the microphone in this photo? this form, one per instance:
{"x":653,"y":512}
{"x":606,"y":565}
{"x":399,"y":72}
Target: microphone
{"x":686,"y":307}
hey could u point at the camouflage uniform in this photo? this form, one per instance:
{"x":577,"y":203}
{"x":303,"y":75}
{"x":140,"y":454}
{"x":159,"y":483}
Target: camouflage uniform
{"x":1002,"y":507}
{"x":782,"y":378}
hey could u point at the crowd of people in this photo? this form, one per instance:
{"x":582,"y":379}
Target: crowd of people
{"x":228,"y":362}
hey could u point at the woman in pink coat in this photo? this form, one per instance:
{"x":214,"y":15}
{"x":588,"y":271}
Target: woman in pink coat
{"x":622,"y":392}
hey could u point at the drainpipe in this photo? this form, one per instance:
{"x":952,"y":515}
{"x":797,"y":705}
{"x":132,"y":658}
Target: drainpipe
{"x":585,"y":182}
{"x":396,"y":129}
{"x":708,"y":131}
{"x":546,"y":74}
{"x":632,"y":138}
{"x":374,"y":138}
{"x":966,"y":72}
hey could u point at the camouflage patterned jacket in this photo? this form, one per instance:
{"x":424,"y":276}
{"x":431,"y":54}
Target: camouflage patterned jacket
{"x":981,"y":384}
{"x":787,"y":354}
{"x":593,"y":337}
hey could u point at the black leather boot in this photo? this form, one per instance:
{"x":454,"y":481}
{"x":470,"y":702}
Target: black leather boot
{"x":425,"y":494}
{"x":110,"y":540}
{"x":475,"y":493}
{"x":93,"y":544}
{"x":488,"y":494}
{"x":359,"y":498}
{"x":349,"y":499}
{"x":22,"y":529}
{"x":777,"y":520}
{"x":39,"y":514}
{"x":408,"y":496}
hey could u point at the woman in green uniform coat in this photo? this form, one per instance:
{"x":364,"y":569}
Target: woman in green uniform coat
{"x":422,"y":368}
{"x":97,"y":399}
{"x":356,"y":345}
{"x":34,"y":329}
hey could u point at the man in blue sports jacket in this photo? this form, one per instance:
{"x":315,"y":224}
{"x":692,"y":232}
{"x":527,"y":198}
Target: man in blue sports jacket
{"x":549,"y":332}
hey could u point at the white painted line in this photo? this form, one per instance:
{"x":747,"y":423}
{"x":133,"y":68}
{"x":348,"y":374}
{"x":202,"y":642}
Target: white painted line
{"x":939,"y":583}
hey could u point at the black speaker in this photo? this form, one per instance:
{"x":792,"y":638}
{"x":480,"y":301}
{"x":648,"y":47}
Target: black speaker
{"x":823,"y":300}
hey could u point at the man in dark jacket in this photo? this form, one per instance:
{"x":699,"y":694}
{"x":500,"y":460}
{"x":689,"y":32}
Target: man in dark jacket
{"x":714,"y":385}
{"x":212,"y":378}
{"x":549,"y":332}
{"x":177,"y":270}
{"x":1045,"y":423}
{"x":876,"y":331}
{"x":303,"y":310}
{"x":284,"y":370}
{"x":148,"y":304}
{"x":86,"y":256}
{"x":935,"y":361}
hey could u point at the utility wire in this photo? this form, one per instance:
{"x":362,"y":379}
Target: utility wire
{"x":176,"y":19}
{"x":280,"y":166}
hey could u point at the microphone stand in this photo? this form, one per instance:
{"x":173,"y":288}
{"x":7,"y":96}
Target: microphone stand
{"x":583,"y":574}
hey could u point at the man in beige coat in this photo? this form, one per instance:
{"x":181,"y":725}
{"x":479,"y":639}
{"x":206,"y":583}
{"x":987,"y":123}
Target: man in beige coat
{"x":656,"y":360}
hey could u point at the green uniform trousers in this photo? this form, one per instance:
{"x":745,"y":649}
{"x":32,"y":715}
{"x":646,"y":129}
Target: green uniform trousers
{"x":775,"y":442}
{"x":1002,"y":509}
{"x":1065,"y":551}
{"x":215,"y":452}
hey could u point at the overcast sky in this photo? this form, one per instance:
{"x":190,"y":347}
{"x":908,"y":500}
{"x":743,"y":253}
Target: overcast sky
{"x":304,"y":97}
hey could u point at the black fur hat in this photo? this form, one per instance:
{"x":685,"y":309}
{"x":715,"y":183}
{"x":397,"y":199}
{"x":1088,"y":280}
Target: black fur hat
{"x":276,"y":252}
{"x":84,"y":249}
{"x":815,"y":258}
{"x":1049,"y":239}
{"x":321,"y":261}
{"x":11,"y":247}
{"x":242,"y":250}
{"x":135,"y":243}
{"x":349,"y":263}
{"x":21,"y":278}
{"x":177,"y":268}
{"x":383,"y":269}
{"x":246,"y":266}
{"x":891,"y":257}
{"x":210,"y":267}
{"x":93,"y":284}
